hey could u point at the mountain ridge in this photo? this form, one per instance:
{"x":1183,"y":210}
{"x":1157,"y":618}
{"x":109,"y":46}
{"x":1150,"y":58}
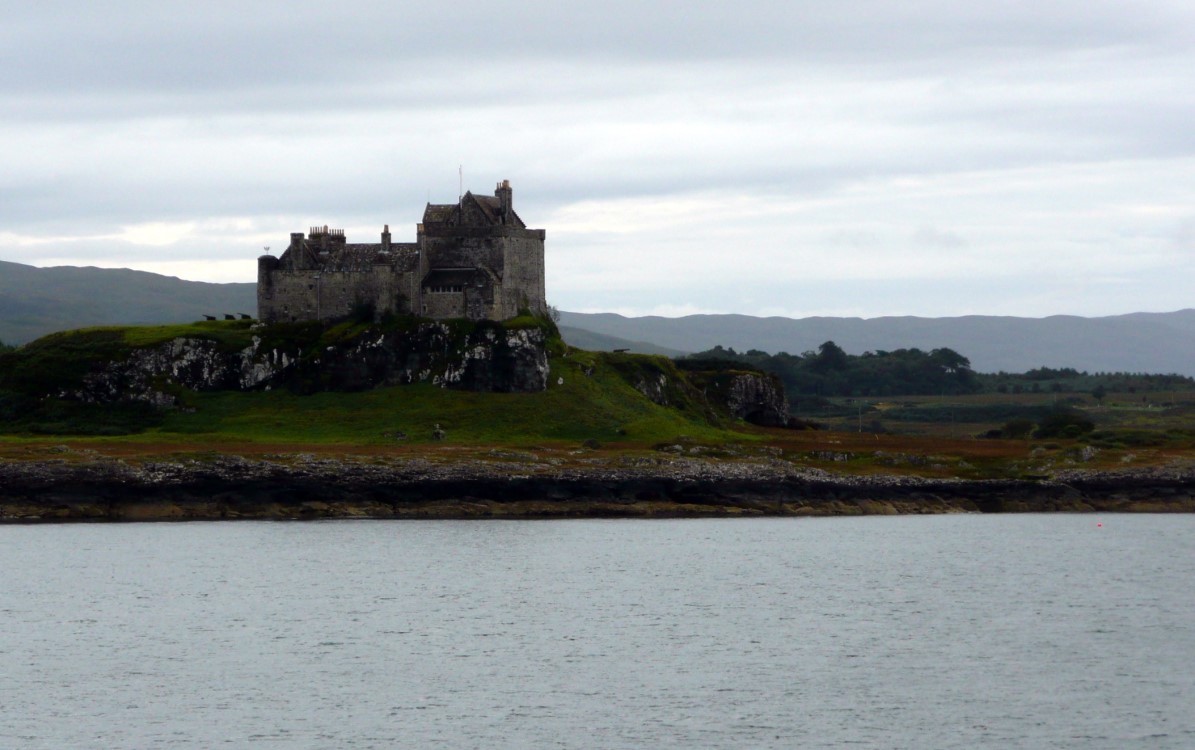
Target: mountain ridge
{"x":1132,"y":342}
{"x":37,"y":301}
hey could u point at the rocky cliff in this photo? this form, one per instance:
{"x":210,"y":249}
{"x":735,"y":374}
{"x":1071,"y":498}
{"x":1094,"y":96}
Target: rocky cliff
{"x":481,"y":357}
{"x":120,"y":380}
{"x":753,"y":396}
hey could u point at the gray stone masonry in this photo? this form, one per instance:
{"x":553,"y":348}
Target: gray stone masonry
{"x":474,"y":259}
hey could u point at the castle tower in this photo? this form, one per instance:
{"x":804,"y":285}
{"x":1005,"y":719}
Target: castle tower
{"x":472,"y":259}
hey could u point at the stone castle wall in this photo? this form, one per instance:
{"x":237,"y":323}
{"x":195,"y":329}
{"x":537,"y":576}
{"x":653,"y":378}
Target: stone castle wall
{"x":474,"y":260}
{"x":284,"y":296}
{"x":441,"y":305}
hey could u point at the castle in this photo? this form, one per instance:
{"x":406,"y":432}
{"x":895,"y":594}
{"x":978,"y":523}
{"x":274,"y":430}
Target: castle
{"x":473,"y":259}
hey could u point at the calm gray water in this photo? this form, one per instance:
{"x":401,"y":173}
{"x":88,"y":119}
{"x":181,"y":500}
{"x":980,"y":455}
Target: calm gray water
{"x":909,"y":632}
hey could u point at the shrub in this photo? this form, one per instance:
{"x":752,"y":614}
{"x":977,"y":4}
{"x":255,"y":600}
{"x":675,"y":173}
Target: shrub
{"x":1064,"y":423}
{"x":1017,"y":429}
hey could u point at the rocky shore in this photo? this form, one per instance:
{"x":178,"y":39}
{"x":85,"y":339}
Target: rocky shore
{"x":514,"y":485}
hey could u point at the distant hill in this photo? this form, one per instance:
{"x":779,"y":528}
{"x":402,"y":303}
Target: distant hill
{"x":1138,"y":342}
{"x":598,"y":342}
{"x":36,"y":301}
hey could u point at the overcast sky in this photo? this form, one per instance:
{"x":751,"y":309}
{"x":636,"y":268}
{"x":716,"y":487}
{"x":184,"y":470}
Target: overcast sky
{"x":793,"y":158}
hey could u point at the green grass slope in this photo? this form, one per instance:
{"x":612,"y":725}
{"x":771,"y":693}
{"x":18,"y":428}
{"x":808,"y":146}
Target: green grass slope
{"x":604,"y":408}
{"x":592,"y":396}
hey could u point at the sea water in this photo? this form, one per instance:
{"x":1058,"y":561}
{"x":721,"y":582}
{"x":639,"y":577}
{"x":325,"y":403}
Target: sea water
{"x":1012,"y":631}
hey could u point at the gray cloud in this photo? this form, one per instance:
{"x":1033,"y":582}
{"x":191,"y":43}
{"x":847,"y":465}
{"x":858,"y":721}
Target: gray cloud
{"x":217,"y":47}
{"x":705,"y":146}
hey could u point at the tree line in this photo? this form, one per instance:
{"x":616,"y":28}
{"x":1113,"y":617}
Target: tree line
{"x":831,"y":372}
{"x":1069,"y":380}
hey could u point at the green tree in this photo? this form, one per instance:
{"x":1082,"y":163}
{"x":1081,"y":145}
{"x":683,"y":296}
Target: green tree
{"x":830,"y":357}
{"x":950,"y":360}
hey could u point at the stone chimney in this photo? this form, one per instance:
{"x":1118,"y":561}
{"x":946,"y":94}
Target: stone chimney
{"x":386,"y":238}
{"x":505,"y":199}
{"x":298,"y":256}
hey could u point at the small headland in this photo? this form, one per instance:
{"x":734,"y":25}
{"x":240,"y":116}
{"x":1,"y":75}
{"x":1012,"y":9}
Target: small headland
{"x":409,"y":418}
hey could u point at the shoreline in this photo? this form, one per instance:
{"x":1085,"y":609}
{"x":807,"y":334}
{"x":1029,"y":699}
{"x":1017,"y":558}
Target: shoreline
{"x":303,"y":487}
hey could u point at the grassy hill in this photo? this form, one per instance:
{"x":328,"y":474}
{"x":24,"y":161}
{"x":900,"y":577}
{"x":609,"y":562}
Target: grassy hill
{"x":591,"y":396}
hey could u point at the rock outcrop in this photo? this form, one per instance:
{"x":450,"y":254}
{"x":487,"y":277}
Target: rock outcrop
{"x":490,"y":358}
{"x":754,"y":397}
{"x":146,"y":375}
{"x":758,"y":398}
{"x":133,"y":369}
{"x":301,"y":487}
{"x":487,"y":358}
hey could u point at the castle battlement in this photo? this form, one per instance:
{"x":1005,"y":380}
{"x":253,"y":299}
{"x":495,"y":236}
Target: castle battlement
{"x":473,"y":259}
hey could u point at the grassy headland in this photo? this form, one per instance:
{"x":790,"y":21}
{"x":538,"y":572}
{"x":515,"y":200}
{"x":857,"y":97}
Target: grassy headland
{"x":590,"y":397}
{"x":593,"y":411}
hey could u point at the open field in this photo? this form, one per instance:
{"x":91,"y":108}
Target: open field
{"x":838,"y":452}
{"x":962,"y":416}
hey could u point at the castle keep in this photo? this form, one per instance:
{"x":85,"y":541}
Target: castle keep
{"x":474,"y":259}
